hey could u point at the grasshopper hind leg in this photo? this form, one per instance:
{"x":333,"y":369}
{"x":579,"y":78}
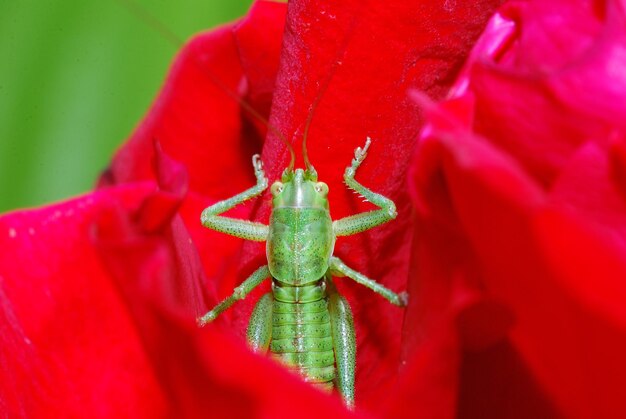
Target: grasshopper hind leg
{"x":260,"y":327}
{"x":344,"y":342}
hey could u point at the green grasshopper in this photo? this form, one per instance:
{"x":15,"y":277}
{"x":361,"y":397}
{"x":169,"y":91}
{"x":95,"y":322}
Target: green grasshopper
{"x":303,"y":321}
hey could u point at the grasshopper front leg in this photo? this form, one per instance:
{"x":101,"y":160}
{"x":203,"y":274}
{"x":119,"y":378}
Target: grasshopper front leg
{"x":239,"y":228}
{"x":360,"y":222}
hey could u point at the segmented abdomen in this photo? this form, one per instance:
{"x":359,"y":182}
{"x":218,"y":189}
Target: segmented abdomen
{"x":301,"y":337}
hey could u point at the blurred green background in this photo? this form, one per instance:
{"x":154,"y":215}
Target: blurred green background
{"x":75,"y":78}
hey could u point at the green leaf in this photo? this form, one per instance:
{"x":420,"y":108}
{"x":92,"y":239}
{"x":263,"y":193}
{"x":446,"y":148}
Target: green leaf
{"x":75,"y":79}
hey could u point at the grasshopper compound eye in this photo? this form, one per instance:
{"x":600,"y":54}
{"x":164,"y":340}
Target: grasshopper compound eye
{"x":277,"y":188}
{"x":321,"y":188}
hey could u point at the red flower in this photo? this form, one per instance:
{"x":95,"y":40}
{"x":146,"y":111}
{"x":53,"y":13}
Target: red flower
{"x":99,"y":294}
{"x":520,"y":194}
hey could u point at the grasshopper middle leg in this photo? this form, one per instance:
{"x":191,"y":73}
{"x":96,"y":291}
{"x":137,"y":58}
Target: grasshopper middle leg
{"x":240,"y":293}
{"x":339,"y":268}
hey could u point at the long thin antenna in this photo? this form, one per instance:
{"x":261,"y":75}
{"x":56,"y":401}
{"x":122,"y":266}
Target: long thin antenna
{"x":336,"y":63}
{"x":318,"y":98}
{"x":142,"y":14}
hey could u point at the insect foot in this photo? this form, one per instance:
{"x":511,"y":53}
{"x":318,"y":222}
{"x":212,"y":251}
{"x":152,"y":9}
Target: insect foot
{"x":359,"y":156}
{"x":261,"y":179}
{"x":391,"y":211}
{"x":404,"y":298}
{"x":361,"y":153}
{"x":206,"y":319}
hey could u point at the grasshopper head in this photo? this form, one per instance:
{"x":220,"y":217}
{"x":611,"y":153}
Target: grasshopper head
{"x":299,"y":189}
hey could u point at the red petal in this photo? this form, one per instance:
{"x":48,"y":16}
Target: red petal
{"x":194,"y":118}
{"x":199,"y":125}
{"x":378,"y":52}
{"x":204,"y":372}
{"x":70,"y":346}
{"x":553,"y":84}
{"x":542,"y":217}
{"x":259,"y":39}
{"x":390,"y":119}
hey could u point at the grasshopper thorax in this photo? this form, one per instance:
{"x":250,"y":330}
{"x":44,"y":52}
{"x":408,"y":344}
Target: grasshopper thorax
{"x":299,"y":189}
